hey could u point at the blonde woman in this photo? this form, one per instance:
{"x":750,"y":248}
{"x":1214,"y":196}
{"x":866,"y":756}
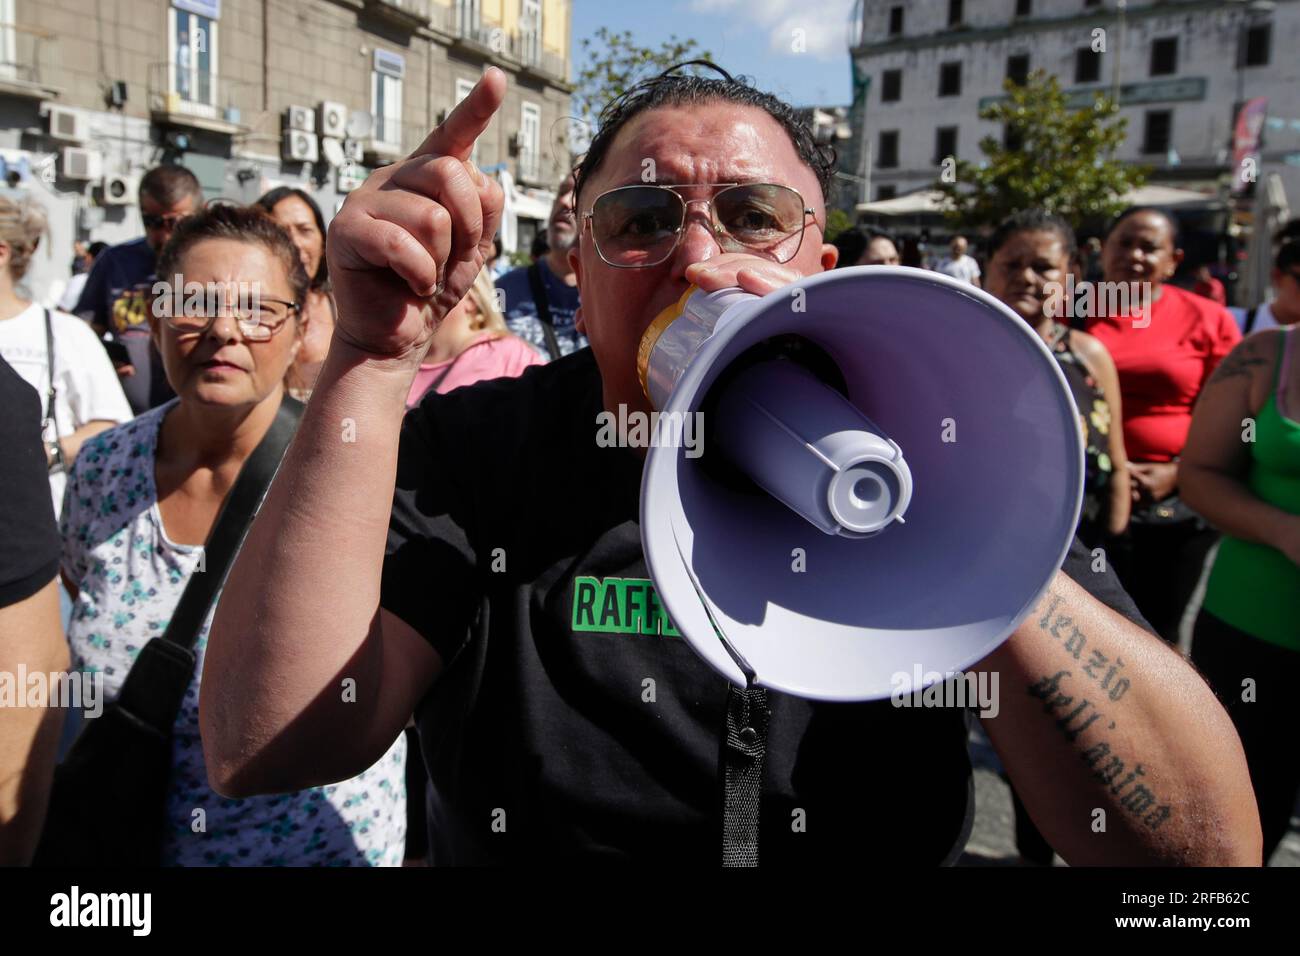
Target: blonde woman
{"x":472,"y":344}
{"x":87,"y":397}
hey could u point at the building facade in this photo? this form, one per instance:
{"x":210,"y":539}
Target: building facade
{"x":1181,"y":69}
{"x":251,"y":94}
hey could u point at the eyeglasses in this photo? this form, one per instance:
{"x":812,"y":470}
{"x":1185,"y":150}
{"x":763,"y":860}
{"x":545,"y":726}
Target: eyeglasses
{"x":639,"y":226}
{"x":257,"y":322}
{"x":157,"y":222}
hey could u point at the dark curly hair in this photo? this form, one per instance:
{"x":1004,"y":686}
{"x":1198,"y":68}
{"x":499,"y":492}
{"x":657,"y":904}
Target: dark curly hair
{"x":672,"y":89}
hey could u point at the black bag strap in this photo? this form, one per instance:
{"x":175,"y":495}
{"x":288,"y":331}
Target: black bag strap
{"x":52,"y":396}
{"x":743,"y":751}
{"x":154,"y":688}
{"x":232,"y":523}
{"x":1250,"y":320}
{"x":538,"y":288}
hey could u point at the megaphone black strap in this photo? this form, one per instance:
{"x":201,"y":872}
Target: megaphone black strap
{"x":743,"y":751}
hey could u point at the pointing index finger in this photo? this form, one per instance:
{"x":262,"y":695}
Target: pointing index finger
{"x":456,"y":134}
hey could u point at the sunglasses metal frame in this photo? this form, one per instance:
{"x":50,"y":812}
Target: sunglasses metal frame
{"x":588,"y":217}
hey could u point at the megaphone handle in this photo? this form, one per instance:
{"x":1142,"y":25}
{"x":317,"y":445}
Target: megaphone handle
{"x":743,"y":753}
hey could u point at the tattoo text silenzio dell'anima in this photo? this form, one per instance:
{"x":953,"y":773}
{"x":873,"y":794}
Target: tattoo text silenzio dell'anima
{"x":1079,"y":713}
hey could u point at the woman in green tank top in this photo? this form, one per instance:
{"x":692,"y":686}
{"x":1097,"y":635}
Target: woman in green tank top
{"x":1241,"y":470}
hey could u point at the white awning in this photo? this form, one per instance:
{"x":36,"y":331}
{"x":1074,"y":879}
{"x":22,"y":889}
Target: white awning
{"x":531,"y":207}
{"x":923,"y":201}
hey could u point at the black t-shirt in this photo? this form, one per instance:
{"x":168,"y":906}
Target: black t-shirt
{"x":514,"y":548}
{"x":29,"y":536}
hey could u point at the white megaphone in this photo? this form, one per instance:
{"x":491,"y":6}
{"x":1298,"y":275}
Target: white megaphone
{"x":892,"y":475}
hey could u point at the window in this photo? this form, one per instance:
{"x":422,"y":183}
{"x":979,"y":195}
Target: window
{"x":463,"y":88}
{"x":891,"y":86}
{"x":1092,"y":3}
{"x":1087,"y":65}
{"x":530,"y":32}
{"x":1024,"y":8}
{"x":945,"y":143}
{"x":386,"y":97}
{"x":955,"y":12}
{"x":888,"y":158}
{"x":1164,"y":56}
{"x":886,"y":192}
{"x":8,"y":41}
{"x":1018,"y":68}
{"x":467,"y":16}
{"x":895,"y":21}
{"x":1013,"y":140}
{"x":1255,"y":46}
{"x":1156,"y":136}
{"x":950,"y":79}
{"x":530,"y":129}
{"x":193,"y":72}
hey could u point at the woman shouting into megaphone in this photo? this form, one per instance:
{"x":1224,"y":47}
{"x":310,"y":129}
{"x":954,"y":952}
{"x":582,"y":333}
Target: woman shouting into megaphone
{"x":478,"y":563}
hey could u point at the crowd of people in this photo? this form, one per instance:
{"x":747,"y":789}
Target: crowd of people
{"x":374,"y":559}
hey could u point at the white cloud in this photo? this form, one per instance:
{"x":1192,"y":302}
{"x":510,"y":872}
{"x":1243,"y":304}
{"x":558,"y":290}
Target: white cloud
{"x":819,"y":27}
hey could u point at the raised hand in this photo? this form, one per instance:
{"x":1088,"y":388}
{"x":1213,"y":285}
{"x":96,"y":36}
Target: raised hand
{"x":408,"y":243}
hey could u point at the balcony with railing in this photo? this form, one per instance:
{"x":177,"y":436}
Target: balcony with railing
{"x":461,"y":21}
{"x":182,"y":96}
{"x":526,"y":48}
{"x":391,"y":139}
{"x":407,"y":13}
{"x":27,"y":61}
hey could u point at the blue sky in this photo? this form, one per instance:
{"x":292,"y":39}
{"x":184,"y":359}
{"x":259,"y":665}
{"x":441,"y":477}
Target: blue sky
{"x":753,"y":37}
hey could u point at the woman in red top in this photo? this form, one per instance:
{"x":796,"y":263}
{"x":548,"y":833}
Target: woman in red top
{"x":1165,"y":348}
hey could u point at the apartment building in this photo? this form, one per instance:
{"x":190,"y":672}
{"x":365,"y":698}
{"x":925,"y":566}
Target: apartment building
{"x":252,"y":94}
{"x":1180,"y":69}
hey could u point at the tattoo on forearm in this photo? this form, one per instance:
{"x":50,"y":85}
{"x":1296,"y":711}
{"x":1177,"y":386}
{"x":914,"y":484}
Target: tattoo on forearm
{"x":1238,"y":364}
{"x":1106,"y":766}
{"x":1097,"y":665}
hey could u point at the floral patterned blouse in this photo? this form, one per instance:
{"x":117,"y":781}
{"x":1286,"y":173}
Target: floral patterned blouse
{"x":130,"y":576}
{"x":1094,"y":420}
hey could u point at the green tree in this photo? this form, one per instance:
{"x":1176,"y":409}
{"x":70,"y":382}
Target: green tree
{"x":1055,"y":157}
{"x":837,"y":221}
{"x":615,"y":62}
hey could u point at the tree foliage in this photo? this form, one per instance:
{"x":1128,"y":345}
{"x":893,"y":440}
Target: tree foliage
{"x":1054,"y":156}
{"x":615,"y":62}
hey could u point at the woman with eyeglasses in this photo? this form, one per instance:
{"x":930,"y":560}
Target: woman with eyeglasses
{"x":141,"y":502}
{"x":298,"y":213}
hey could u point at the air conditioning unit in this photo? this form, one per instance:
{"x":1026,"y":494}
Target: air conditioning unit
{"x":299,"y":147}
{"x":81,"y":163}
{"x":300,"y":118}
{"x":354,"y":150}
{"x":332,"y":119}
{"x":68,"y":125}
{"x":120,"y":189}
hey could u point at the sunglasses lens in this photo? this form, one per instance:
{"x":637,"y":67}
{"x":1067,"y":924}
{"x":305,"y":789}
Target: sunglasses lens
{"x":637,"y":225}
{"x":759,"y":217}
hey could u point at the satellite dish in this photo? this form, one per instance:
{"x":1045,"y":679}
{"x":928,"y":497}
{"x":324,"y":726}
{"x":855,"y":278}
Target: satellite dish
{"x":332,"y":150}
{"x":359,"y":125}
